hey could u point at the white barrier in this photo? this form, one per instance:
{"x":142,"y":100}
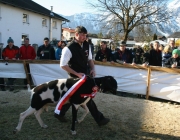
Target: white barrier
{"x":162,"y":84}
{"x":12,"y":70}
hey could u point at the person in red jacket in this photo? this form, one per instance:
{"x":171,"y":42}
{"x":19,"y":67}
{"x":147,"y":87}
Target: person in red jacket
{"x":27,"y":52}
{"x":11,"y":52}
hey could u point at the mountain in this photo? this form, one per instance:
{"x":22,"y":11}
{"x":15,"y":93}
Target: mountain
{"x":89,"y":21}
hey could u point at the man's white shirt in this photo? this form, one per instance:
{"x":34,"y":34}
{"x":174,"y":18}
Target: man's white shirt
{"x":66,"y":56}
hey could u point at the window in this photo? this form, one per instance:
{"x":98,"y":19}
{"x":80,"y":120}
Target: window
{"x":54,"y":24}
{"x":25,"y":18}
{"x":23,"y":37}
{"x":44,"y":22}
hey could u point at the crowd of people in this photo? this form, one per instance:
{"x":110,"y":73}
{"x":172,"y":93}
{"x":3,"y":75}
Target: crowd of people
{"x":155,"y":54}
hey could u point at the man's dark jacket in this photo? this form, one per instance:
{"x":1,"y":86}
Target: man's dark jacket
{"x":49,"y":52}
{"x":79,"y":59}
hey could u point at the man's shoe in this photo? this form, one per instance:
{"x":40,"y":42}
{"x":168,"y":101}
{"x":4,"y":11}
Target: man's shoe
{"x":60,"y":118}
{"x":104,"y":121}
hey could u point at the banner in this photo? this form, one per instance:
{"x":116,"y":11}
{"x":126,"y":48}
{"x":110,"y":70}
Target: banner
{"x":129,"y":80}
{"x":163,"y":85}
{"x":12,"y":70}
{"x":41,"y":73}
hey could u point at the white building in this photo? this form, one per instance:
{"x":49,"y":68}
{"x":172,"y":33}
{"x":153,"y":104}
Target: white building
{"x":68,"y":33}
{"x":25,"y":18}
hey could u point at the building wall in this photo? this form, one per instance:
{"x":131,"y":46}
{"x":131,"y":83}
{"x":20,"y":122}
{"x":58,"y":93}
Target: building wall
{"x":11,"y":25}
{"x":66,"y":35}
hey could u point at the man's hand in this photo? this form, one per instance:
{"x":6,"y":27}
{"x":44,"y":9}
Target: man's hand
{"x":6,"y":58}
{"x":173,"y":66}
{"x":80,"y":75}
{"x":92,"y":73}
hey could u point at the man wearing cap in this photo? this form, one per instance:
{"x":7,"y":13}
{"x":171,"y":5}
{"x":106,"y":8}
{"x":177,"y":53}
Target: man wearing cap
{"x":11,"y":52}
{"x":123,"y":54}
{"x":74,"y":59}
{"x":46,"y":51}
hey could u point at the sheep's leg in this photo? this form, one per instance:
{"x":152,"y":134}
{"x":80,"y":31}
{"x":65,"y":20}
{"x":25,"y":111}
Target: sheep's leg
{"x":84,"y":114}
{"x":23,"y":115}
{"x":86,"y":108}
{"x":38,"y":117}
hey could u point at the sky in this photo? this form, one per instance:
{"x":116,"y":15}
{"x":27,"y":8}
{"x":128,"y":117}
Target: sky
{"x":65,"y":7}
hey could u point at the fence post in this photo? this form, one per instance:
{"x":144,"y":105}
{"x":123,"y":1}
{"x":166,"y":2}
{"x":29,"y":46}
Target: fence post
{"x":148,"y":82}
{"x":27,"y":76}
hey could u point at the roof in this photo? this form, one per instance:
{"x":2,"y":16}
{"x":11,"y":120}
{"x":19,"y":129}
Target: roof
{"x":69,"y":30}
{"x":175,"y":35}
{"x":30,"y":5}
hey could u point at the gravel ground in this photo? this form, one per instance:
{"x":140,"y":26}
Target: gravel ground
{"x":131,"y":119}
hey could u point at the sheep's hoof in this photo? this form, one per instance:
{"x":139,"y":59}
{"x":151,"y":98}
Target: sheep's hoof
{"x":44,"y":126}
{"x":15,"y":131}
{"x":73,"y":132}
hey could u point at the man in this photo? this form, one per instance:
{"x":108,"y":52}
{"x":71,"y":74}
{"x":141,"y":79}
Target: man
{"x":172,"y":44}
{"x":74,"y":60}
{"x":27,"y":52}
{"x":46,"y":51}
{"x":11,"y":52}
{"x":123,"y":54}
{"x":155,"y":56}
{"x":104,"y":54}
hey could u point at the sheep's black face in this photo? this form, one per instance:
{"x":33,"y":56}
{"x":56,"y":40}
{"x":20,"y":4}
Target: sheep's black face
{"x":109,"y":84}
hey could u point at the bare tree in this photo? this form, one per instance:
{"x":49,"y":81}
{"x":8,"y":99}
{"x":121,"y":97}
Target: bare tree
{"x":143,"y":33}
{"x":124,"y":15}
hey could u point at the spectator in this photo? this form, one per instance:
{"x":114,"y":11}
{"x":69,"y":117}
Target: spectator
{"x":11,"y":52}
{"x":161,"y":47}
{"x":27,"y":52}
{"x":145,"y":56}
{"x":46,"y":51}
{"x":74,"y":61}
{"x":172,"y":44}
{"x":155,"y":56}
{"x":173,"y":61}
{"x":138,"y":52}
{"x":166,"y":54}
{"x":104,"y":54}
{"x":58,"y":52}
{"x":123,"y":54}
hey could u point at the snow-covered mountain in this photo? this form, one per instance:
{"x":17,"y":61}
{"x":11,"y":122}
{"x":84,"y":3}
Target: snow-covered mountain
{"x":89,"y":21}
